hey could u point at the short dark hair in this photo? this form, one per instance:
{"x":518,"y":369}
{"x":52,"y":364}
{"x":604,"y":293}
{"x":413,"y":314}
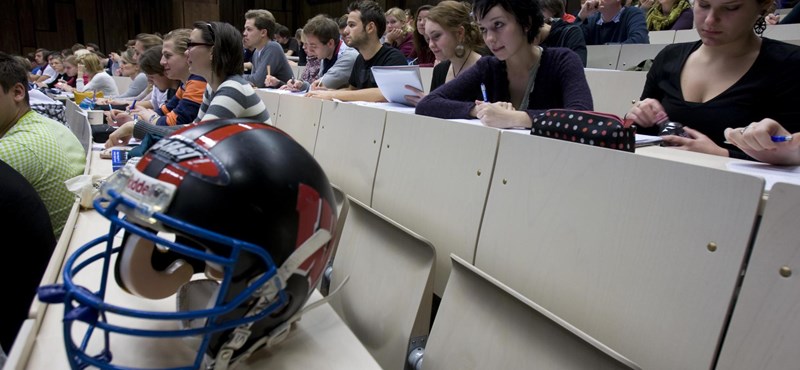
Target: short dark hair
{"x":282,"y":31}
{"x":527,"y":13}
{"x":263,"y":20}
{"x":150,"y":61}
{"x":323,"y":28}
{"x":370,"y":12}
{"x":228,"y":53}
{"x":12,"y":72}
{"x":554,"y":6}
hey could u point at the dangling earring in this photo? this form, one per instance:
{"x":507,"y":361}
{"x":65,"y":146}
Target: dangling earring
{"x":460,"y":50}
{"x":760,"y":26}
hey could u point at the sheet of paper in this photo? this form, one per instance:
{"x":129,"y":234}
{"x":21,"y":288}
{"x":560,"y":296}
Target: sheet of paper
{"x":644,"y":140}
{"x":770,"y":173}
{"x":392,"y":80}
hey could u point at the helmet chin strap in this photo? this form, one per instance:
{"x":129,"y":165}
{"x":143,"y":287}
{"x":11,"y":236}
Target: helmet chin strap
{"x":224,"y":359}
{"x":138,"y":276}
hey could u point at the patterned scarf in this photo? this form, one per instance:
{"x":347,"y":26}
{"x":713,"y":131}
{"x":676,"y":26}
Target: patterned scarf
{"x":657,"y":21}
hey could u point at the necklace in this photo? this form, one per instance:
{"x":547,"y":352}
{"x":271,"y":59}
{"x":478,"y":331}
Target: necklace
{"x":453,"y":67}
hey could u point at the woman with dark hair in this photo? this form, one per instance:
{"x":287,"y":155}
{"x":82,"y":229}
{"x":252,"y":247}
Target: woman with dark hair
{"x":422,"y":52}
{"x":215,"y":53}
{"x":729,"y":78}
{"x":520,"y":81}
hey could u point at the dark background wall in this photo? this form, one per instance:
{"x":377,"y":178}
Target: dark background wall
{"x":57,"y":24}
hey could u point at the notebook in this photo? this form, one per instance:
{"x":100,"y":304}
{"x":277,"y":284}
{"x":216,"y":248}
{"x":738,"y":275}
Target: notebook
{"x":391,"y":81}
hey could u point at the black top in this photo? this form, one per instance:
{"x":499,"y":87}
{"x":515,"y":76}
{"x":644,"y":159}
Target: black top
{"x":440,"y":74}
{"x":765,"y":91}
{"x":292,"y":45}
{"x":23,"y":219}
{"x":361,"y":77}
{"x":566,"y":35}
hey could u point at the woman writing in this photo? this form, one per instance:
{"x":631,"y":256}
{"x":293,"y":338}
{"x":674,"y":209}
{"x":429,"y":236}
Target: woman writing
{"x":214,"y":52}
{"x":520,"y":81}
{"x":729,"y":78}
{"x":181,"y":109}
{"x":453,"y":38}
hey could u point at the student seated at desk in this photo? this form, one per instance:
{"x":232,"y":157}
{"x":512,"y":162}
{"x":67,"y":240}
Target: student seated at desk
{"x":45,"y":152}
{"x":767,"y":141}
{"x":336,"y":59}
{"x":270,"y":68}
{"x":608,"y":22}
{"x":182,"y":108}
{"x":422,"y":51}
{"x":219,"y":59}
{"x":399,"y":34}
{"x":23,"y":216}
{"x":99,"y":80}
{"x":365,"y":23}
{"x":730,"y":78}
{"x":453,"y":38}
{"x":520,"y":81}
{"x":670,"y":15}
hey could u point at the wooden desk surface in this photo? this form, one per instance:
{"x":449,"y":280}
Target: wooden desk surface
{"x":321,"y":339}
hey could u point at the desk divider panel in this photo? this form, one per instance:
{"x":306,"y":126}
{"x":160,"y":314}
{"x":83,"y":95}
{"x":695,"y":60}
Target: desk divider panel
{"x":662,"y":37}
{"x":433,"y":176}
{"x":484,"y":324}
{"x":690,"y":35}
{"x":426,"y":73}
{"x":640,"y":253}
{"x":602,"y":56}
{"x":783,"y":32}
{"x":272,"y":100}
{"x":630,"y":55}
{"x":627,"y":87}
{"x":299,"y":117}
{"x":765,"y":326}
{"x":348,"y":146}
{"x":123,"y":83}
{"x":387,"y":299}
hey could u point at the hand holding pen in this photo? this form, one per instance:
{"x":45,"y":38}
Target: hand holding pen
{"x":767,"y":141}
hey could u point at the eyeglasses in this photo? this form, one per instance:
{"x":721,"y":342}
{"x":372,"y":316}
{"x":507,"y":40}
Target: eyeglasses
{"x":190,"y":44}
{"x":211,"y":29}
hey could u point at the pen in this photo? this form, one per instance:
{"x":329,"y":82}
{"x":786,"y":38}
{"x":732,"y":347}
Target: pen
{"x":483,"y":91}
{"x":781,"y":139}
{"x":133,"y":105}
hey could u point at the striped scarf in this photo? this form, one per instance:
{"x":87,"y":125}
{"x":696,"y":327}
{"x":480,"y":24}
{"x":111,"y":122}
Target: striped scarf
{"x":657,"y":21}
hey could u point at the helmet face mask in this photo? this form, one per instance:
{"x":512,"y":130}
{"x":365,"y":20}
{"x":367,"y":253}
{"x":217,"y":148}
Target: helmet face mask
{"x":248,"y":207}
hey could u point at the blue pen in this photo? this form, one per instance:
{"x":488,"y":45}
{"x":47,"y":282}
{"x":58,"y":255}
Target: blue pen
{"x":133,"y":105}
{"x":483,"y":91}
{"x":781,"y":139}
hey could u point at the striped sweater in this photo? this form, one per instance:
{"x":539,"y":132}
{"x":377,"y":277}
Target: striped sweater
{"x":182,"y":108}
{"x":235,"y":98}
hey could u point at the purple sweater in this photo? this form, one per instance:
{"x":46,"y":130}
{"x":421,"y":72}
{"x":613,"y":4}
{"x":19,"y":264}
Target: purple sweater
{"x":560,"y":83}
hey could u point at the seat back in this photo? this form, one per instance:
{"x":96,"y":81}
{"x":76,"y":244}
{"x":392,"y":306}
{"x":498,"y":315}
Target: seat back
{"x":483,"y":324}
{"x":387,"y":299}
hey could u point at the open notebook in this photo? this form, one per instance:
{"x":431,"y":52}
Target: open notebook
{"x":392,"y":80}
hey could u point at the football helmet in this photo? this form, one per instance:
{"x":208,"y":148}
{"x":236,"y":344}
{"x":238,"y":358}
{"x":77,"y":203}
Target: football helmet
{"x":239,"y":201}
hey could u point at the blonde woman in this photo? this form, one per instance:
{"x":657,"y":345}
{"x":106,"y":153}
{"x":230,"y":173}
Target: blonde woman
{"x":670,"y":15}
{"x":99,"y":80}
{"x":129,"y":67}
{"x":399,"y":34}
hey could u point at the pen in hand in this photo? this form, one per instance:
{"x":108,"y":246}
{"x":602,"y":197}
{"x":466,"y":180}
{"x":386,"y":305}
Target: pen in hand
{"x":781,"y":138}
{"x":483,"y":91}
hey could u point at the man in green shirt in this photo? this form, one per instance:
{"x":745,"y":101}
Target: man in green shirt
{"x":44,"y":151}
